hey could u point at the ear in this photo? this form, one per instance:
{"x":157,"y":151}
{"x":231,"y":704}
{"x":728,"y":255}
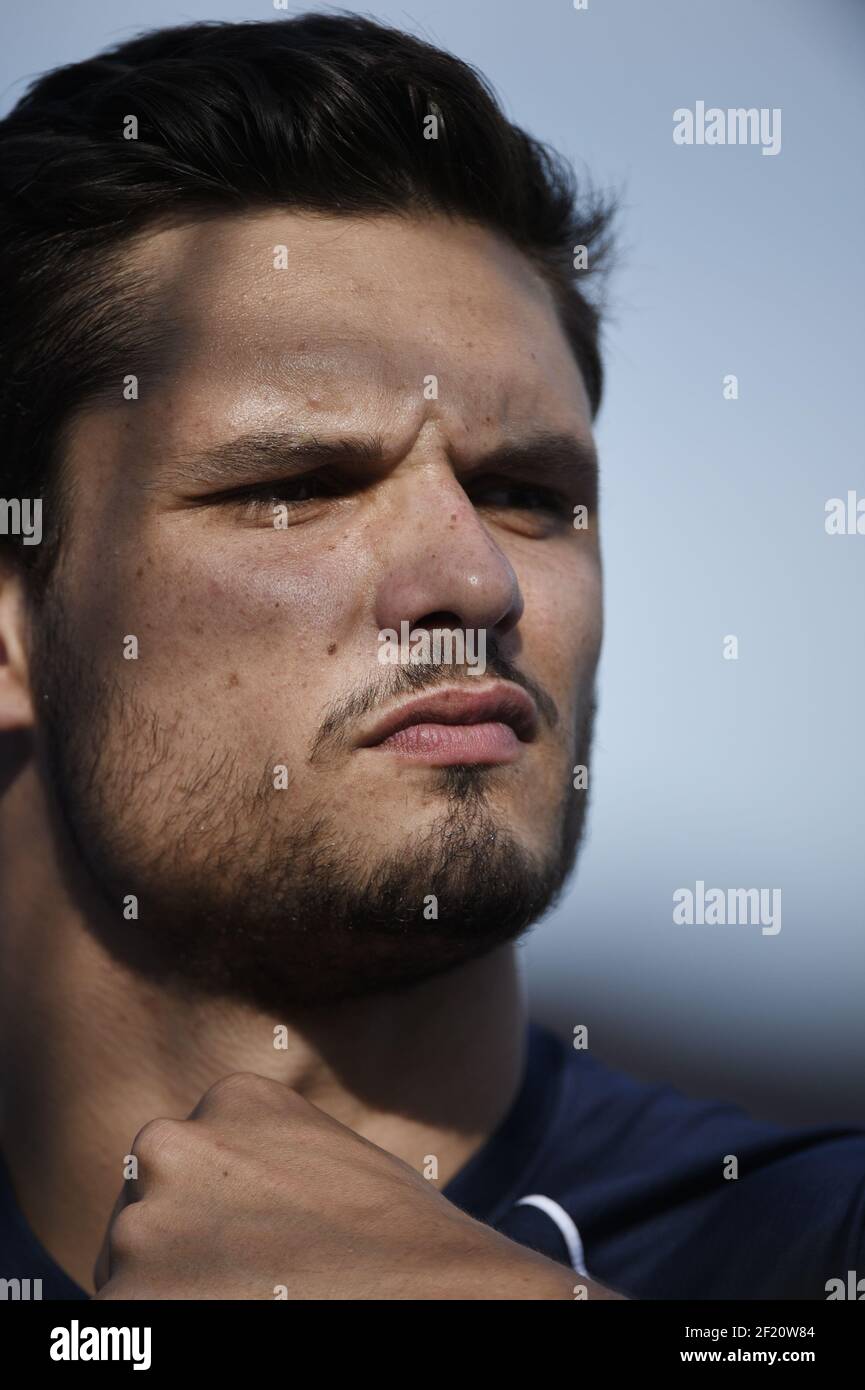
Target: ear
{"x":16,"y":704}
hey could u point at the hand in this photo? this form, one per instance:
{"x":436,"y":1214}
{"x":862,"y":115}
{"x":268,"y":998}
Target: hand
{"x":260,"y":1195}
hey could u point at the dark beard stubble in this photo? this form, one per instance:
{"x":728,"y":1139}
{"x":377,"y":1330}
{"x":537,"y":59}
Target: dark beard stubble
{"x":235,"y":910}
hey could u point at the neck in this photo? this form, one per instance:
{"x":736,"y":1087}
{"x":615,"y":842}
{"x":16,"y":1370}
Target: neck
{"x":91,"y":1052}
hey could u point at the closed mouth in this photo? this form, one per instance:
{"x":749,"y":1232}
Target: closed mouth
{"x":501,"y":704}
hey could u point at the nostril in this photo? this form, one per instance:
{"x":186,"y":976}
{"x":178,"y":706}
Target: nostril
{"x":438,"y":620}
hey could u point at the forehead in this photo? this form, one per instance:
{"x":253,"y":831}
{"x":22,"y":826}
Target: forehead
{"x":344,"y":313}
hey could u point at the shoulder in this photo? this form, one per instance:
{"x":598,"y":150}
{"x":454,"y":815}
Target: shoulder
{"x":668,"y":1191}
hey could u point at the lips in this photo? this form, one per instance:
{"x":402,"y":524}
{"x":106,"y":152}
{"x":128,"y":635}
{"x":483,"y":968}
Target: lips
{"x":459,"y":725}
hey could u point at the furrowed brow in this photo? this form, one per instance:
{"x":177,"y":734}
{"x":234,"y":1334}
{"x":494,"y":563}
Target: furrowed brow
{"x":257,"y":457}
{"x":562,"y":459}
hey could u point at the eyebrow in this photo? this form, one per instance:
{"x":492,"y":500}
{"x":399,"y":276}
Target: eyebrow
{"x":262,"y":456}
{"x":556,"y":458}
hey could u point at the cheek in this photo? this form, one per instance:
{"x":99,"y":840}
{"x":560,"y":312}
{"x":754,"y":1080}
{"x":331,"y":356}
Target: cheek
{"x":224,"y":623}
{"x":257,"y":601}
{"x":563,"y":624}
{"x":589,"y":615}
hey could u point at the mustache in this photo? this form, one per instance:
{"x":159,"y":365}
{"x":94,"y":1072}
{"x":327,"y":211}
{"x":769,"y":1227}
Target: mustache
{"x":334,"y":733}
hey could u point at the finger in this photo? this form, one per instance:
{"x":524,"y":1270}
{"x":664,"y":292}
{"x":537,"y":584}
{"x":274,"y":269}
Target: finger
{"x":243,"y":1096}
{"x":102,"y":1268}
{"x":147,"y":1139}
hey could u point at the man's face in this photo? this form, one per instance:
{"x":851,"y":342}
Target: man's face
{"x":295,"y":484}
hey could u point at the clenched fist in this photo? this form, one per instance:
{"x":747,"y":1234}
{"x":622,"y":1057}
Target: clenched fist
{"x":260,"y":1195}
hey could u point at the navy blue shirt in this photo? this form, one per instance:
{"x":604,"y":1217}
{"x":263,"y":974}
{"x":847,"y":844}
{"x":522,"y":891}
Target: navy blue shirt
{"x":625,"y":1181}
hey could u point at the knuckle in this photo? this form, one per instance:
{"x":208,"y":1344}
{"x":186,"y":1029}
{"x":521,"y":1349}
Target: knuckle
{"x":130,"y":1230}
{"x":244,"y":1086}
{"x":159,"y":1140}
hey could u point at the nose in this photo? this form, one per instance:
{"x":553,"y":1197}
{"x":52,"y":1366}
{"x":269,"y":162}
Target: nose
{"x":442,"y":566}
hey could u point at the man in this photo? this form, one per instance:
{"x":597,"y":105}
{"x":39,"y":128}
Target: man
{"x":299,"y":359}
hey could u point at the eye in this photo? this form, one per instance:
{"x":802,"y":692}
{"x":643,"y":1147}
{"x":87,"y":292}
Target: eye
{"x":516,"y":496}
{"x":293,"y":490}
{"x":261,"y":498}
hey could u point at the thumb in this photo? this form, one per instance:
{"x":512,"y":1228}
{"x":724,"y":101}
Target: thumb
{"x":102,"y":1269}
